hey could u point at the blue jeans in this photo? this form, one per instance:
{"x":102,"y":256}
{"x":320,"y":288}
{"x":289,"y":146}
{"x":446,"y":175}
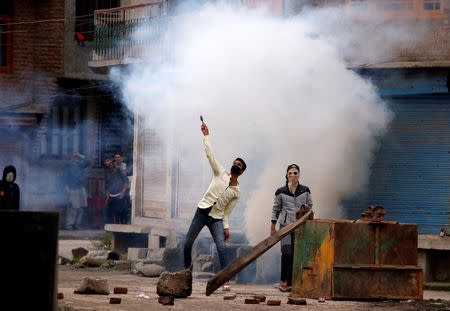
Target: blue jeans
{"x":215,"y":226}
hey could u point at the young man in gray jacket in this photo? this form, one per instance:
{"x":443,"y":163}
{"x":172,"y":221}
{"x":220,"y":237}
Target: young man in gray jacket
{"x":288,"y":200}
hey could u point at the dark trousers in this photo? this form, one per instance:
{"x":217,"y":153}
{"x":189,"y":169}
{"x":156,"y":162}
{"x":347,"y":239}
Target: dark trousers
{"x":126,"y":209}
{"x":287,"y":261}
{"x":215,"y":226}
{"x":114,"y":210}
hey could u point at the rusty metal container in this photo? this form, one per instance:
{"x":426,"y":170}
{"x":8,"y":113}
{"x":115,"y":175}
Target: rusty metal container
{"x":347,"y":260}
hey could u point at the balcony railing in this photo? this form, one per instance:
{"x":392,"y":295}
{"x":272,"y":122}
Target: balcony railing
{"x":130,"y":33}
{"x":140,"y":32}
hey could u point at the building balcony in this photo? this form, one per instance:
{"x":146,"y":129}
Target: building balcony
{"x":130,"y":34}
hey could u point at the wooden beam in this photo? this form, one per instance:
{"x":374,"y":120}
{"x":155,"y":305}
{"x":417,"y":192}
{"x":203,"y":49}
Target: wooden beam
{"x":240,"y":263}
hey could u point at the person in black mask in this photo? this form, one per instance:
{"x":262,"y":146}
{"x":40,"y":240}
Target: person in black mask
{"x":215,"y":207}
{"x":9,"y":190}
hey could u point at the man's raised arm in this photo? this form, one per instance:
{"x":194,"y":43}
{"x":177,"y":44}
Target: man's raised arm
{"x":215,"y":166}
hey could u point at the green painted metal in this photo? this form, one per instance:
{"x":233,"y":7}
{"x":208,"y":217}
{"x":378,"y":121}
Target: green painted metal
{"x":308,"y":240}
{"x":386,"y":245}
{"x":343,"y":259}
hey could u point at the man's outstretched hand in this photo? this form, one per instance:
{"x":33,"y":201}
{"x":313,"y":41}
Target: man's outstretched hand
{"x":204,"y":129}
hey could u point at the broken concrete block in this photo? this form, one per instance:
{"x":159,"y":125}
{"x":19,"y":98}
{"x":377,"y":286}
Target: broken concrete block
{"x":115,"y":300}
{"x":149,"y":270}
{"x":94,"y":258}
{"x":321,"y":300}
{"x":229,"y":297}
{"x":120,"y":290}
{"x":274,"y":302}
{"x":296,"y":301}
{"x":155,"y":256}
{"x":261,"y":298}
{"x":63,"y":260}
{"x":93,"y":286}
{"x":79,"y":252}
{"x":166,"y":300}
{"x":251,"y":301}
{"x":176,"y":284}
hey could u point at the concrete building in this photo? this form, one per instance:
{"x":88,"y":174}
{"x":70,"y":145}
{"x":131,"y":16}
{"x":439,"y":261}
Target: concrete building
{"x":53,"y":104}
{"x":410,"y":174}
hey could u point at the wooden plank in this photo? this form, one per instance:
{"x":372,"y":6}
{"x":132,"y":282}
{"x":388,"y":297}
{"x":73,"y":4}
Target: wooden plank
{"x":240,"y":263}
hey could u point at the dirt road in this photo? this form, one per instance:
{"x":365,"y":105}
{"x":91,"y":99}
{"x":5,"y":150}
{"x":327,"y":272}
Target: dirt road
{"x":69,"y":279}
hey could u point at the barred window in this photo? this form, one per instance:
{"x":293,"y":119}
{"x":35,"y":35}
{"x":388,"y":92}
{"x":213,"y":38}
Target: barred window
{"x":359,"y":4}
{"x":431,"y":5}
{"x":395,"y":5}
{"x":394,"y":9}
{"x":65,"y":128}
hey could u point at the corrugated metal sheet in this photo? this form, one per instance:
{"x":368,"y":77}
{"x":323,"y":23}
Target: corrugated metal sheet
{"x":156,"y":183}
{"x":410,"y":175}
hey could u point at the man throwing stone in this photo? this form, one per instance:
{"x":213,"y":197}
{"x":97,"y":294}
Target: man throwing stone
{"x":215,"y":207}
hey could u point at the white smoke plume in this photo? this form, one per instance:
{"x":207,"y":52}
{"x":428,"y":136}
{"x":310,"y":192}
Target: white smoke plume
{"x":273,"y":91}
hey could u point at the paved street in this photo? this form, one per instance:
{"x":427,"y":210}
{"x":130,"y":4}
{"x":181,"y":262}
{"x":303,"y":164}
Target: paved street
{"x":69,"y":279}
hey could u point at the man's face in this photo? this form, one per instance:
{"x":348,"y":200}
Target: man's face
{"x":293,"y":175}
{"x":237,"y":167}
{"x":10,"y":177}
{"x":108,"y":162}
{"x":238,"y":163}
{"x":117,"y":158}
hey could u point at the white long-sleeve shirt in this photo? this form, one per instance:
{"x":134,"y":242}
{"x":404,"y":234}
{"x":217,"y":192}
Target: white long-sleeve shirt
{"x":220,"y":195}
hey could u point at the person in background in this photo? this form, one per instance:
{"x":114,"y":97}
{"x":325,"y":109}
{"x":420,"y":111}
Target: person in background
{"x":116,"y":185}
{"x":119,"y":162}
{"x":288,"y":200}
{"x":75,"y":177}
{"x":9,"y":190}
{"x":125,"y":211}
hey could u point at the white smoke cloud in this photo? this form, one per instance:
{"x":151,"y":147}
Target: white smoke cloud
{"x":274,"y":92}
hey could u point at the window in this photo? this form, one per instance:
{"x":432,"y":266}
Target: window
{"x":431,"y":5}
{"x":395,"y":5}
{"x":6,"y":36}
{"x":84,"y":15}
{"x":66,"y":127}
{"x":394,"y":9}
{"x":359,"y":4}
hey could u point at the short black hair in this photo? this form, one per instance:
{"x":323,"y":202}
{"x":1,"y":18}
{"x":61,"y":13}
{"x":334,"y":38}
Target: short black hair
{"x":244,"y":165}
{"x":293,"y":166}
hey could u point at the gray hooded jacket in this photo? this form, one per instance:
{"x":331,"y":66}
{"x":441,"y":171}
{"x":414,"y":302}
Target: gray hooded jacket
{"x":286,"y":205}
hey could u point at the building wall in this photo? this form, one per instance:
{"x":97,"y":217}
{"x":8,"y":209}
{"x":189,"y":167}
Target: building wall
{"x":37,"y":56}
{"x":428,"y":32}
{"x":28,"y":87}
{"x":76,"y":57}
